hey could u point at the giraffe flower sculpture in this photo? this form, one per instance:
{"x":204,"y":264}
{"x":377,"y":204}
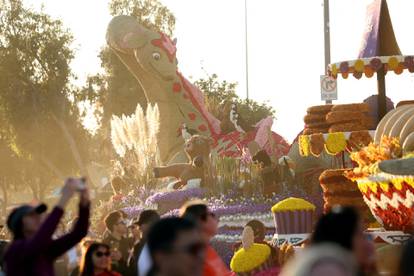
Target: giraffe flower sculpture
{"x":151,"y":58}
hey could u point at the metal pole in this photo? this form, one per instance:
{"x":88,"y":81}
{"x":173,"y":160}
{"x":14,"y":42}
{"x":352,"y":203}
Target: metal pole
{"x":327,"y":37}
{"x":247,"y":55}
{"x":382,"y":99}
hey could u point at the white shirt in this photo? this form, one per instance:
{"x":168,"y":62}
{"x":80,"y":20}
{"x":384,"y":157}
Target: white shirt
{"x":144,"y":261}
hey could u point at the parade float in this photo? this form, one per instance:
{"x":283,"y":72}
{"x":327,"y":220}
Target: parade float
{"x":235,"y":167}
{"x":388,"y":195}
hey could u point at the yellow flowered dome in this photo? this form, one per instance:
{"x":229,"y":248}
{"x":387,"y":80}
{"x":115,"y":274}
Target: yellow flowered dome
{"x":247,"y":260}
{"x":292,"y":204}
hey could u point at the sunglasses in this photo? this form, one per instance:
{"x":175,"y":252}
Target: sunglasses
{"x":123,"y":222}
{"x":100,"y":254}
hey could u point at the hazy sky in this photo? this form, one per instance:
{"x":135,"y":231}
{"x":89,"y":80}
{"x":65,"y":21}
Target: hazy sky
{"x":285,"y":46}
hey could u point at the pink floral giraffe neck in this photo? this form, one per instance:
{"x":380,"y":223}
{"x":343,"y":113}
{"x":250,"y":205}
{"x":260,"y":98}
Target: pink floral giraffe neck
{"x":151,"y":58}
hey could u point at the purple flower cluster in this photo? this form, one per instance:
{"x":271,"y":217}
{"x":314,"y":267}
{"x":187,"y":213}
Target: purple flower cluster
{"x":133,"y":211}
{"x":178,"y":196}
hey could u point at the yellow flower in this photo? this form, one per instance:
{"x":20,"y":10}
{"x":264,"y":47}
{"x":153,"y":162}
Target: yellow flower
{"x":335,"y":143}
{"x":359,"y":65}
{"x":334,"y":70}
{"x":304,"y":145}
{"x":292,"y":204}
{"x":247,"y":260}
{"x":393,"y":63}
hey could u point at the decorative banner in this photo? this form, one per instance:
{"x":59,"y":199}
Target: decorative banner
{"x":369,"y":66}
{"x":334,"y":143}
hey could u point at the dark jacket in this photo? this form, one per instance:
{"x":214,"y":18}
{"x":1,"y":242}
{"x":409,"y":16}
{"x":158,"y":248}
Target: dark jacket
{"x":123,"y":245}
{"x":35,"y":256}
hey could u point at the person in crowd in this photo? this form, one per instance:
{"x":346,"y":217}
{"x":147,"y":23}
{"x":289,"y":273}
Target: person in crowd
{"x":146,"y":219}
{"x":97,"y":261}
{"x":321,"y":260}
{"x":343,"y":227}
{"x":33,"y":251}
{"x":208,"y":224}
{"x":407,"y":260}
{"x":3,"y":248}
{"x":61,"y":263}
{"x":81,"y":251}
{"x":176,"y":247}
{"x":116,"y":238}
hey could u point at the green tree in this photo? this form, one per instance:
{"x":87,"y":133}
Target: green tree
{"x":219,"y":94}
{"x":117,"y":91}
{"x":37,"y":102}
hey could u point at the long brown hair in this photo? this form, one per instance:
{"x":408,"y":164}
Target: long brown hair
{"x":86,"y":266}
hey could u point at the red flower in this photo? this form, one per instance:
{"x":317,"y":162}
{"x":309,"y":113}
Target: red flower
{"x":176,"y":87}
{"x":376,"y":64}
{"x":192,"y":116}
{"x":202,"y":128}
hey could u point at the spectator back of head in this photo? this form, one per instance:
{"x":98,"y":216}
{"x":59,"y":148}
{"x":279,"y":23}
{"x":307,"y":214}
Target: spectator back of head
{"x":195,"y":210}
{"x":338,"y":226}
{"x":148,"y":217}
{"x":164,"y":232}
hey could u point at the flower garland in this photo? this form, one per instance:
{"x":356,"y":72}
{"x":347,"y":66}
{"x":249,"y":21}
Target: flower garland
{"x":369,"y":66}
{"x":333,"y":143}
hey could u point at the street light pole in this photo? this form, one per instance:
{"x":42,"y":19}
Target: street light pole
{"x":327,"y":37}
{"x":247,"y":55}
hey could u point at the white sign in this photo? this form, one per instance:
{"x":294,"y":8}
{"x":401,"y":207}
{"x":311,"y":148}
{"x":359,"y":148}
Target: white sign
{"x":329,"y":87}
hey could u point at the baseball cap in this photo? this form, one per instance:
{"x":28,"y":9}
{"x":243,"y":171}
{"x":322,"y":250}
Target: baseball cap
{"x":147,"y":216}
{"x":18,"y":213}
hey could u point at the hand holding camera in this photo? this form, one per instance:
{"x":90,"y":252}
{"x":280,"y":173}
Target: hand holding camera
{"x":73,"y":185}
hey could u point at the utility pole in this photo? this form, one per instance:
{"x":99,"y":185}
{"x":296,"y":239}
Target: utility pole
{"x":247,"y":54}
{"x":327,"y":37}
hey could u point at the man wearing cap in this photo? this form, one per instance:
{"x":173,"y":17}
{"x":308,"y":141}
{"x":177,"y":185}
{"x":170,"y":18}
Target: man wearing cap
{"x":146,"y":219}
{"x":33,"y":251}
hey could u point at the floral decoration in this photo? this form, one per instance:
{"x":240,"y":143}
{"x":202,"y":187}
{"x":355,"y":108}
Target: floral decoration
{"x":335,"y":143}
{"x":369,"y":66}
{"x":247,"y":260}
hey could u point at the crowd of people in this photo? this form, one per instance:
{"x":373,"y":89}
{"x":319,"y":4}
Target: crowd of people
{"x":178,"y":246}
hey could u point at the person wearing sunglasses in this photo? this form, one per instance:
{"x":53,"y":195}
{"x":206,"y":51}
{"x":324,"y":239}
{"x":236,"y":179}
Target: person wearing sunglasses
{"x":176,"y":248}
{"x":97,"y":261}
{"x":116,"y":238}
{"x":207,"y":222}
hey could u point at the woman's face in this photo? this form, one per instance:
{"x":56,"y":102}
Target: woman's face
{"x":211,"y":224}
{"x":101,"y":258}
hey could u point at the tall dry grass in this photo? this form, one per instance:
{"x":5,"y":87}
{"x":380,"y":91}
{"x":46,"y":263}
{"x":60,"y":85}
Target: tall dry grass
{"x":134,"y":139}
